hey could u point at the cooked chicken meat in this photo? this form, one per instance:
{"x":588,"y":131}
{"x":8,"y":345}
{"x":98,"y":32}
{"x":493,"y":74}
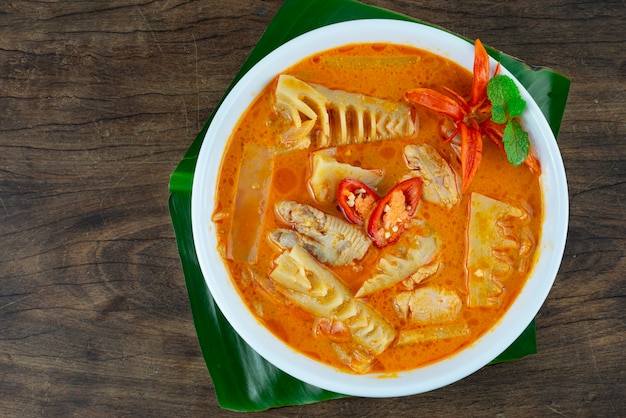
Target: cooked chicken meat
{"x":441,"y":183}
{"x":336,"y":241}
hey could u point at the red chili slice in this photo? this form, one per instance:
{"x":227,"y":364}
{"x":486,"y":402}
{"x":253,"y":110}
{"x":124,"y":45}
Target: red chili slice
{"x":392,"y":212}
{"x":356,"y":200}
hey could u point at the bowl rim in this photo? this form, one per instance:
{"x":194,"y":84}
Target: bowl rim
{"x":300,"y":366}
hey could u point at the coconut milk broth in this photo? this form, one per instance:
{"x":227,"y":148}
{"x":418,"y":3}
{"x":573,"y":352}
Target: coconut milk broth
{"x":384,"y":71}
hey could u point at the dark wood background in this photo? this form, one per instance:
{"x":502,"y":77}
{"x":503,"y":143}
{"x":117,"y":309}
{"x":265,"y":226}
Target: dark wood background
{"x":100,"y":99}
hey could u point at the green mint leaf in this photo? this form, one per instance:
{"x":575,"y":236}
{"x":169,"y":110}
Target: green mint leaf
{"x":516,"y":106}
{"x":516,"y":143}
{"x":498,"y":114}
{"x":505,"y":98}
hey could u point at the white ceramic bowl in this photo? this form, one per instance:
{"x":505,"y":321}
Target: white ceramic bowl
{"x":444,"y":372}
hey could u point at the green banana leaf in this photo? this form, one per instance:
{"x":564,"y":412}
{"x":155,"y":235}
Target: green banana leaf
{"x":242,"y":379}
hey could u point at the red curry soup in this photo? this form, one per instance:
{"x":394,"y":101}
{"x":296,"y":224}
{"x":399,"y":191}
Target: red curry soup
{"x":345,"y":218}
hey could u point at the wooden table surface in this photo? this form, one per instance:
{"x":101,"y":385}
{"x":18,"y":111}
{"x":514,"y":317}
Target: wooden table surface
{"x":99,"y":100}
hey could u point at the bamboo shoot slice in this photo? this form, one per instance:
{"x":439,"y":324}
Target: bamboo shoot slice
{"x":495,"y":231}
{"x":253,"y":185}
{"x":318,"y":291}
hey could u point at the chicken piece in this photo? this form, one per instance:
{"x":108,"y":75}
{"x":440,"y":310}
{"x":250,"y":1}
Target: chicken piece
{"x":394,"y":268}
{"x":288,"y":238}
{"x":428,"y":305}
{"x":341,"y":117}
{"x":499,"y":240}
{"x":441,"y":183}
{"x":336,"y":241}
{"x":312,"y":287}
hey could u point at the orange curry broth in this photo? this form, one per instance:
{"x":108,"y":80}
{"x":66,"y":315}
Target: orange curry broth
{"x":340,"y":68}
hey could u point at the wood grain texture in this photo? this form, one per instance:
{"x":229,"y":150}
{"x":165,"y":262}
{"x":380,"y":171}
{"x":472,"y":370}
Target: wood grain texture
{"x":99,"y":100}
